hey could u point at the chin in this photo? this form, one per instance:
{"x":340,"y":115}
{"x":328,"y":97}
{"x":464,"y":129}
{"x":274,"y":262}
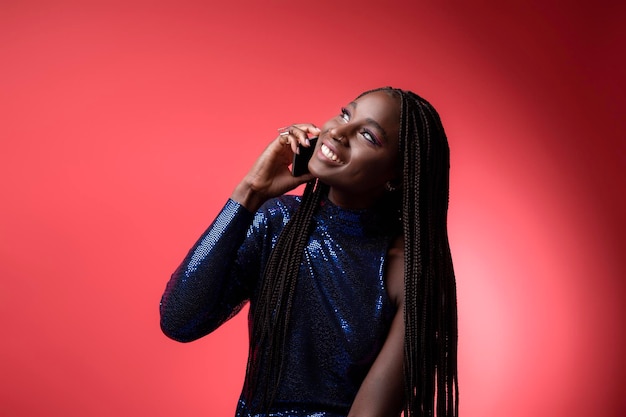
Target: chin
{"x":320,"y":168}
{"x":315,"y":169}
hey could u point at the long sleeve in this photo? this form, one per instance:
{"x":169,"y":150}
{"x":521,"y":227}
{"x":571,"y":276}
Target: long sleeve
{"x":211,"y":285}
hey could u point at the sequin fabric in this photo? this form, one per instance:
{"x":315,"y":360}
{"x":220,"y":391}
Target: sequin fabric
{"x":341,"y":314}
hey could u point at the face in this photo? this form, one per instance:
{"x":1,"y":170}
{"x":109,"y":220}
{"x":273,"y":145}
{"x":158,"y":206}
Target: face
{"x":357,"y":151}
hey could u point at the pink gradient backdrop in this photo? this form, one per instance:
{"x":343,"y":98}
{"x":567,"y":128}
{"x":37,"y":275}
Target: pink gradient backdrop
{"x":124,"y":126}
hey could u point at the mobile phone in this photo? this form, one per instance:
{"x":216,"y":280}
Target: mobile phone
{"x":300,"y":165}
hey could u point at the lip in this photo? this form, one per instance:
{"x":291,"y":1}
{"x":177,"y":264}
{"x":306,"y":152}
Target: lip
{"x":333,"y":149}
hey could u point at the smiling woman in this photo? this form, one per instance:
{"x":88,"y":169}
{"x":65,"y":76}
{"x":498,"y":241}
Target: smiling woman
{"x":359,"y":150}
{"x":351,"y":286}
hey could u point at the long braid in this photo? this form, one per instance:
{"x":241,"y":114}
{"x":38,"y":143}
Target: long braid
{"x":430,"y":290}
{"x":430,"y":362}
{"x":273,"y":310}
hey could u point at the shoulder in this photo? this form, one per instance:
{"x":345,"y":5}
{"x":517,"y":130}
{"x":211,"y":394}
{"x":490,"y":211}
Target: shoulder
{"x":276,"y":212}
{"x":285,"y":206}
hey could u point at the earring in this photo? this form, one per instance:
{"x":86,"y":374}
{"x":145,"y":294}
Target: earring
{"x":391,"y":187}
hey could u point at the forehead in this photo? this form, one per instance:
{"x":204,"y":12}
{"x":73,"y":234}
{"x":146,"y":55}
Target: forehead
{"x":381,"y":106}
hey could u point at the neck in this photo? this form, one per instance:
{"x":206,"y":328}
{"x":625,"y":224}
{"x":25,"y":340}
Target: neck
{"x":348,"y":200}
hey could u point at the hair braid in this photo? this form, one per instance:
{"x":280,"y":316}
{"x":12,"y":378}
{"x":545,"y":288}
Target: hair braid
{"x":273,"y":310}
{"x":430,"y":290}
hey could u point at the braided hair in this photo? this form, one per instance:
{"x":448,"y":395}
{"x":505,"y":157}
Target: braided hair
{"x":430,"y":312}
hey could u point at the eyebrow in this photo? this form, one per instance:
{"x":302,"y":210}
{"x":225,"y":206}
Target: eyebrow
{"x":371,"y":121}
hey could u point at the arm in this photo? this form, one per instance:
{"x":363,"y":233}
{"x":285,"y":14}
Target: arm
{"x":381,"y":393}
{"x":214,"y":280}
{"x":207,"y":288}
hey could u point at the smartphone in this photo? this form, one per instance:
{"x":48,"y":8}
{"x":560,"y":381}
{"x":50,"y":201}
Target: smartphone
{"x":300,"y":165}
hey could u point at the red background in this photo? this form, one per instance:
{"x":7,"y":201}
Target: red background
{"x":124,"y":126}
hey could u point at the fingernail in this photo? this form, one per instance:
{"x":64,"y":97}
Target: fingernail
{"x":307,"y":141}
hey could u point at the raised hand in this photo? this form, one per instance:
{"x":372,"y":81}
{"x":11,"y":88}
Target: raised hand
{"x":270,"y":175}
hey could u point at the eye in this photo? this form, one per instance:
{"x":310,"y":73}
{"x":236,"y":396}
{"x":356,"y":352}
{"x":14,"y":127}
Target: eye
{"x":370,"y":137}
{"x":345,"y":114}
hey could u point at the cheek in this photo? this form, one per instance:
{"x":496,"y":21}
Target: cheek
{"x":329,"y":125}
{"x":395,"y":161}
{"x":379,"y":169}
{"x":390,"y":164}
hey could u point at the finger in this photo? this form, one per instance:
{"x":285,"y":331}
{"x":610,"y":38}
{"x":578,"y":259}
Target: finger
{"x":287,"y":139}
{"x":300,"y":132}
{"x":308,"y":127}
{"x":293,"y":143}
{"x":290,"y":135}
{"x":304,"y":131}
{"x":283,"y":138}
{"x":299,"y":135}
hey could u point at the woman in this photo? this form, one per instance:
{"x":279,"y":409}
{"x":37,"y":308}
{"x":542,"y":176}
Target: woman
{"x":351,"y":288}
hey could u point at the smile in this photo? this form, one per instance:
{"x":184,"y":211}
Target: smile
{"x":330,"y":154}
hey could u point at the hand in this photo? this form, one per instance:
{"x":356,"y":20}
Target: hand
{"x":270,"y":175}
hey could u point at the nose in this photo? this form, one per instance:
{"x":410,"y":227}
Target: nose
{"x":337,"y":134}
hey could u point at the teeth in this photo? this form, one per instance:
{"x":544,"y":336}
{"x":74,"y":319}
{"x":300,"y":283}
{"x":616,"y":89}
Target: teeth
{"x":330,"y":154}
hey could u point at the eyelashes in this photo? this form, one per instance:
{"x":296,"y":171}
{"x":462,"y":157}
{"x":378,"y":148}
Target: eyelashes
{"x":345,"y":114}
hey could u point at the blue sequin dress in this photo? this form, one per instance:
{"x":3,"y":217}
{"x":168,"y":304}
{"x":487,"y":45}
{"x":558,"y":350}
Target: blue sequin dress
{"x":342,"y":312}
